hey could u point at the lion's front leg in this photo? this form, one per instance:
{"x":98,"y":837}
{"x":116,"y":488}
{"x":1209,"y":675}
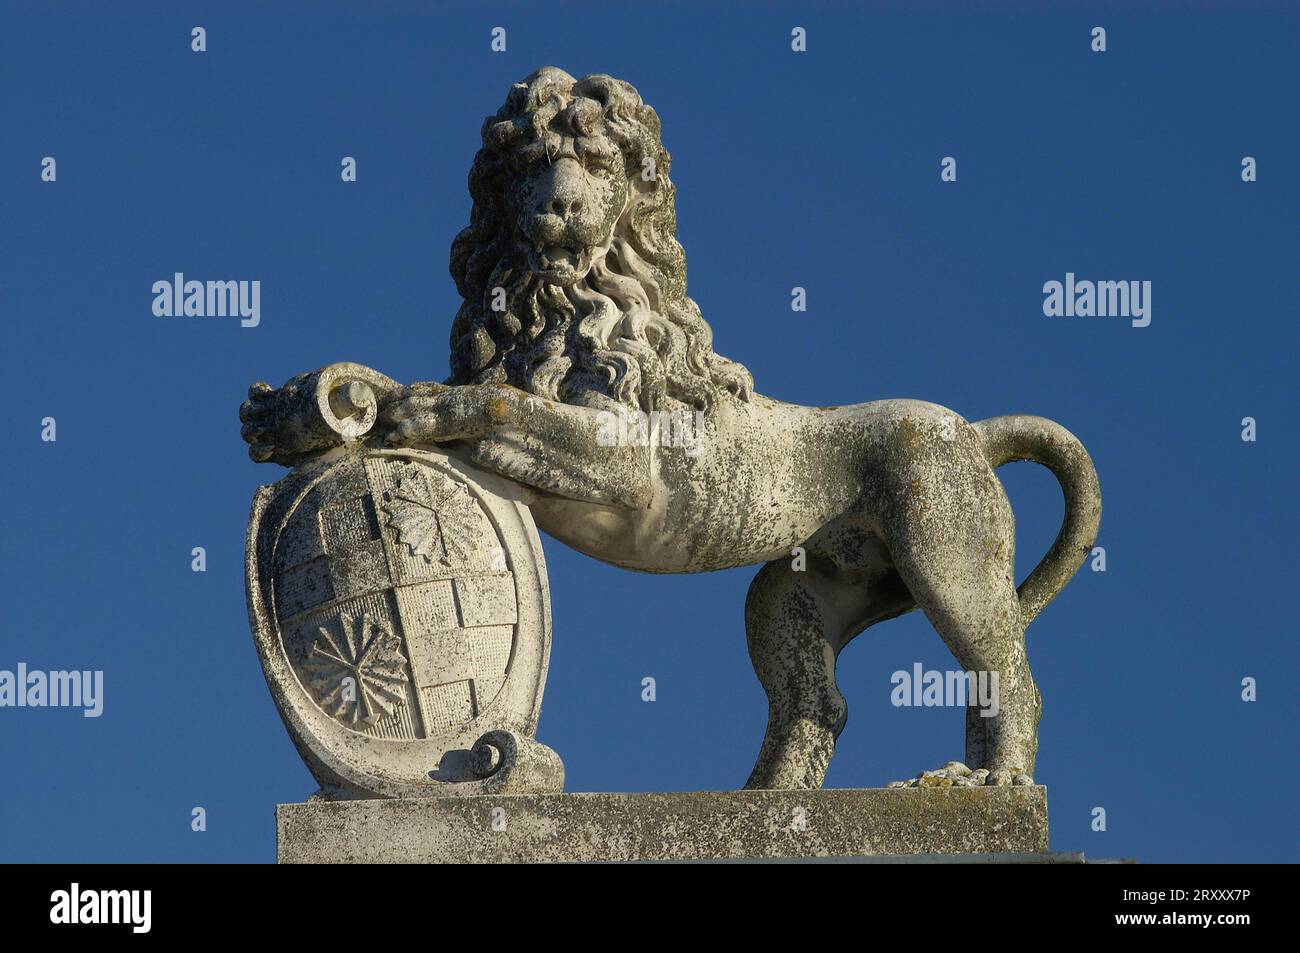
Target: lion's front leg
{"x":552,"y":447}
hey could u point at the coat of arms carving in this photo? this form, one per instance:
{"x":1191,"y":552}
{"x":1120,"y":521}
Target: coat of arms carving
{"x":400,"y":608}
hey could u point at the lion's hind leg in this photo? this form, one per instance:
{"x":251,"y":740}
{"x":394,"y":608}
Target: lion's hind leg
{"x":951,"y":536}
{"x":796,"y":622}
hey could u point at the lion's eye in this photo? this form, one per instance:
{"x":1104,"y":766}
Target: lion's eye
{"x":596,"y":160}
{"x":532,"y":156}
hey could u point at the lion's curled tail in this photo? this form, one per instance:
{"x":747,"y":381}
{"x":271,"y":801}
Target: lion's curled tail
{"x":1020,"y":437}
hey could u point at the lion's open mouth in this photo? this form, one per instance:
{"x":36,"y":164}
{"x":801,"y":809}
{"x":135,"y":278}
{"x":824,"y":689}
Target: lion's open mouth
{"x":559,"y":263}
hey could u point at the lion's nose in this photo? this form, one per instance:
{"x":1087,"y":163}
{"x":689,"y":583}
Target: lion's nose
{"x":565,"y":206}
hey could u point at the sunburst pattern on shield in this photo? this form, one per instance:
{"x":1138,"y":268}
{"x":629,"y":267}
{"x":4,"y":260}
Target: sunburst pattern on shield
{"x":358,"y":673}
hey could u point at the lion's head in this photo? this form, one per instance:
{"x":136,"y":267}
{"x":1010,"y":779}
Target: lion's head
{"x":573,"y":280}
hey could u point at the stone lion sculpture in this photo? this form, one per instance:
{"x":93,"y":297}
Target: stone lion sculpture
{"x":575,"y":313}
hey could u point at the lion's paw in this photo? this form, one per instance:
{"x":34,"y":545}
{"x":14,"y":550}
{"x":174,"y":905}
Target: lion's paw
{"x":954,"y":774}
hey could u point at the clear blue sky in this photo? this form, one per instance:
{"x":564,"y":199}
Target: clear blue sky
{"x":819,"y":170}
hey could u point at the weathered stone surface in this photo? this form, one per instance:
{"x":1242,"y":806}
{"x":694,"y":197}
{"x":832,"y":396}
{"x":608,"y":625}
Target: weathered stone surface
{"x":675,"y":826}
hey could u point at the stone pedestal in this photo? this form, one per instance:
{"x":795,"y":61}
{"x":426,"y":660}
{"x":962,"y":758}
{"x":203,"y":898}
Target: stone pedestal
{"x":700,"y":825}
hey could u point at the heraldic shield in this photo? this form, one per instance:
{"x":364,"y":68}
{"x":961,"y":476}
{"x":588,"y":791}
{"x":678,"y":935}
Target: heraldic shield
{"x":399,"y":603}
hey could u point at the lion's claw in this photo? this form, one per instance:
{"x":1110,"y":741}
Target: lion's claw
{"x":1009,"y":776}
{"x":259,"y":404}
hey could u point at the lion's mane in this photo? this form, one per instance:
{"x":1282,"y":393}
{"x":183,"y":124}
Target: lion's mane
{"x":627,"y":331}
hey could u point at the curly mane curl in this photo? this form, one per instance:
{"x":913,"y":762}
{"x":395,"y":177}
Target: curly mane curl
{"x":627,"y":331}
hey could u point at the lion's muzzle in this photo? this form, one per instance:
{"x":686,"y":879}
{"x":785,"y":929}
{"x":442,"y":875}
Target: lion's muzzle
{"x":567,"y":212}
{"x":560,"y":264}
